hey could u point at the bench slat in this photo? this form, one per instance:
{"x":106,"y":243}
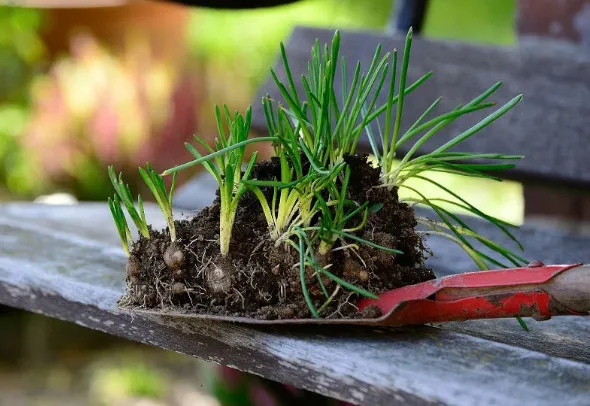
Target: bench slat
{"x":562,"y":336}
{"x":71,"y":276}
{"x":553,"y":78}
{"x":540,"y":244}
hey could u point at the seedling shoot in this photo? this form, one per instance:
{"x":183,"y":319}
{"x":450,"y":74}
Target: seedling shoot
{"x":320,"y":224}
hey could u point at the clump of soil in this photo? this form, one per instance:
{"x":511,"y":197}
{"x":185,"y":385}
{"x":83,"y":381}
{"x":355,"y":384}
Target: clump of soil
{"x":260,"y":280}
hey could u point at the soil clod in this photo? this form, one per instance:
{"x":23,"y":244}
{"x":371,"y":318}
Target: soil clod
{"x":260,"y":280}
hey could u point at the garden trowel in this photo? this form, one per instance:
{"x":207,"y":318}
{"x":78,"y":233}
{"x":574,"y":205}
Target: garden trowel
{"x":538,"y":291}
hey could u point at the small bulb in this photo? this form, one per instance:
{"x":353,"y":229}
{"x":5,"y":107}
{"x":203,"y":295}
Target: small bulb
{"x":133,"y":268}
{"x":174,"y":256}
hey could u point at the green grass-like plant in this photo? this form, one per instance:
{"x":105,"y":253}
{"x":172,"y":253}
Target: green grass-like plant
{"x":123,"y":197}
{"x":293,"y":194}
{"x":308,"y":207}
{"x":225,"y":164}
{"x":336,"y":216}
{"x":124,"y":193}
{"x":164,"y":199}
{"x":331,"y":129}
{"x":341,"y":124}
{"x":396,"y":173}
{"x":120,"y":222}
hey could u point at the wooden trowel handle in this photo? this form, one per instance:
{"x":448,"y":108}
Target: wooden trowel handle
{"x":571,"y":290}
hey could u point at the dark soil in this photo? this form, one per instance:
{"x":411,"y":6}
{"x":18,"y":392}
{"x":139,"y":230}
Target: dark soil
{"x":259,"y":280}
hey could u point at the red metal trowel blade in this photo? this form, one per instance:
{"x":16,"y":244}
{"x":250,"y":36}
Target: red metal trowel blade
{"x":475,"y":295}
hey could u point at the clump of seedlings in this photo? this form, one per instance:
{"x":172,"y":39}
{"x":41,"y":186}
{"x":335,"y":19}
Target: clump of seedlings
{"x":318,"y":226}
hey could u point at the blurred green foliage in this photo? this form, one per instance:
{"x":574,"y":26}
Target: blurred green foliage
{"x":247,"y":40}
{"x":111,"y":384}
{"x":252,"y":36}
{"x":482,"y":21}
{"x":21,"y":50}
{"x":61,"y":114}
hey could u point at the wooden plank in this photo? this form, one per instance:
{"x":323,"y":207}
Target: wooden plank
{"x":549,"y":127}
{"x":56,"y":269}
{"x":567,"y":21}
{"x":557,"y":207}
{"x":562,"y":336}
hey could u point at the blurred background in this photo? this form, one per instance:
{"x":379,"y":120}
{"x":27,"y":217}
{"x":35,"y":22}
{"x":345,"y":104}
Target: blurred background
{"x":81,"y":88}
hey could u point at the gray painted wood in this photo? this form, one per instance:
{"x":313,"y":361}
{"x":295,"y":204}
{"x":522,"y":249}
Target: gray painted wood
{"x":563,"y":337}
{"x":65,"y":262}
{"x":550,"y":126}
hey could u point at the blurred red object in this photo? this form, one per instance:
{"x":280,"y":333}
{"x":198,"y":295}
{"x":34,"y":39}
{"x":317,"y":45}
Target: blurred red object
{"x":97,"y":107}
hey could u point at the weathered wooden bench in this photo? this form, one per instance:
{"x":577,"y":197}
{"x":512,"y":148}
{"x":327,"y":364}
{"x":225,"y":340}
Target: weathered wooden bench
{"x":65,"y":261}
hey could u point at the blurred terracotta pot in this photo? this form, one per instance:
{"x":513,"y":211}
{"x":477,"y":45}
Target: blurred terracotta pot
{"x":112,"y":21}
